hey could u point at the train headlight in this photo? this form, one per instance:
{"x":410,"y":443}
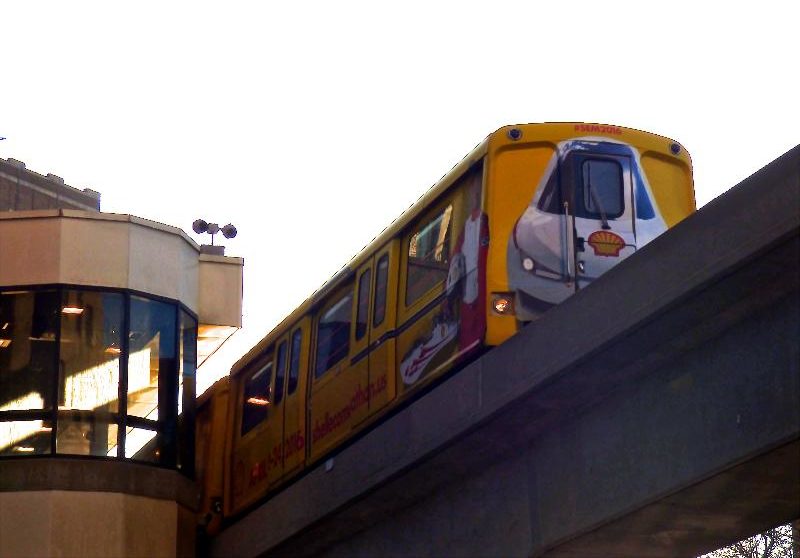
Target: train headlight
{"x":536,"y":267}
{"x":503,"y":304}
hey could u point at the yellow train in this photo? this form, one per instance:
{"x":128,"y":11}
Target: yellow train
{"x":532,"y":214}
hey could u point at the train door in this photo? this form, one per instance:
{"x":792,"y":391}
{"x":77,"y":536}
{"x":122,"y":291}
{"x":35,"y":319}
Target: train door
{"x":338,"y":390}
{"x":294,"y":408}
{"x":250,"y":454}
{"x":382,"y":379}
{"x":602,"y":214}
{"x":211,"y":428}
{"x":427,"y":322}
{"x":359,"y":343}
{"x":272,"y":436}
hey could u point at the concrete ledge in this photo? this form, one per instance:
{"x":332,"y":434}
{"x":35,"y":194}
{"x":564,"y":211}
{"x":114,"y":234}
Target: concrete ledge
{"x":96,"y":475}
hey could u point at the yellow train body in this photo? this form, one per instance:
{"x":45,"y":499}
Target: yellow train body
{"x":532,"y":214}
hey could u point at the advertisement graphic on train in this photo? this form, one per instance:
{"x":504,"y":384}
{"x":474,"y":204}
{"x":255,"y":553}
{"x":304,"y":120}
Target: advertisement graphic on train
{"x":458,"y":320}
{"x":592,"y":208}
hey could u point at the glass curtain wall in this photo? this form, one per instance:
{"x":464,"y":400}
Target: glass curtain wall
{"x":96,"y":372}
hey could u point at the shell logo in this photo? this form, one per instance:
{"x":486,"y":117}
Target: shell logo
{"x":606,"y":243}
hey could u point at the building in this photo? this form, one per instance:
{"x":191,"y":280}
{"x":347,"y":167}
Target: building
{"x":104,"y":319}
{"x":22,"y":189}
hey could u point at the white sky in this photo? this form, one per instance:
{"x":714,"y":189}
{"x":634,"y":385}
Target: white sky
{"x":311,"y":125}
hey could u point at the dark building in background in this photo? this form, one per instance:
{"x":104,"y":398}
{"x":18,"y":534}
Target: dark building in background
{"x":22,"y":190}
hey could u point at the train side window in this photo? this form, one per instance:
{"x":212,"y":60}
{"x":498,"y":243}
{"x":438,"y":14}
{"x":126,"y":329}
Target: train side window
{"x":294,"y":360}
{"x":333,"y":333}
{"x":363,"y":303}
{"x":603,"y":188}
{"x":255,"y":400}
{"x":381,"y":278}
{"x":280,"y":372}
{"x":428,"y":255}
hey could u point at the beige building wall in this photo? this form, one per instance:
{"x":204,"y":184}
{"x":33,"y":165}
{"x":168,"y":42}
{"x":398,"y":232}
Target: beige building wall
{"x":60,"y":506}
{"x":119,"y":251}
{"x":87,"y":524}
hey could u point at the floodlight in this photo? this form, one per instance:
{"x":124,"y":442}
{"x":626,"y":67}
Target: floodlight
{"x":229,"y":231}
{"x":200,"y":226}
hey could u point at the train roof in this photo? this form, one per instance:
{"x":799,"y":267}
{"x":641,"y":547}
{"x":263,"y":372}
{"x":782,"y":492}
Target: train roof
{"x":547,"y":133}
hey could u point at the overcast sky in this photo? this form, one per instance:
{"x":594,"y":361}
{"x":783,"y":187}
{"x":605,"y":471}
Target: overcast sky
{"x":311,"y":125}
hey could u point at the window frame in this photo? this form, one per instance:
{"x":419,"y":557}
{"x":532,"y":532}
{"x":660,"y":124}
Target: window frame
{"x":376,"y":289}
{"x":361,"y":321}
{"x":292,"y":384}
{"x":280,"y":372}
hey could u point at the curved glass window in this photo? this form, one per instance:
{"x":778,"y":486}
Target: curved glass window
{"x":151,"y":355}
{"x":28,"y":350}
{"x":89,"y":350}
{"x":96,"y":372}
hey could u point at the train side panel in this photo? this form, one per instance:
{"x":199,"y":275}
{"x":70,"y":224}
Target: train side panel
{"x":294,"y":431}
{"x":268,"y":419}
{"x":513,"y":174}
{"x":441,"y":312}
{"x":211,"y":436}
{"x":251,"y":398}
{"x":382,"y":321}
{"x":339,"y":399}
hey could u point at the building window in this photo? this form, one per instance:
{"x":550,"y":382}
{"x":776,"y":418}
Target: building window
{"x":187,"y":376}
{"x":89,"y":350}
{"x":66,"y":356}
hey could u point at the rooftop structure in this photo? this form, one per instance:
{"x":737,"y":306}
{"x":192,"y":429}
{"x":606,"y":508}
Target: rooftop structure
{"x":22,"y":189}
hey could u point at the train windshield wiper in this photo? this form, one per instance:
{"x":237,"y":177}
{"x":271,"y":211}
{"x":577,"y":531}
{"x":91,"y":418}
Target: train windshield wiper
{"x":597,"y":203}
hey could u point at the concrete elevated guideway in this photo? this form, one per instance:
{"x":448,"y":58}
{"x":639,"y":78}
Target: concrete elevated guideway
{"x":656,"y":413}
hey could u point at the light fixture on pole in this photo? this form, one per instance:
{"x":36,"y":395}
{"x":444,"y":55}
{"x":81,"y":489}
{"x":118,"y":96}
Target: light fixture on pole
{"x":200,"y":226}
